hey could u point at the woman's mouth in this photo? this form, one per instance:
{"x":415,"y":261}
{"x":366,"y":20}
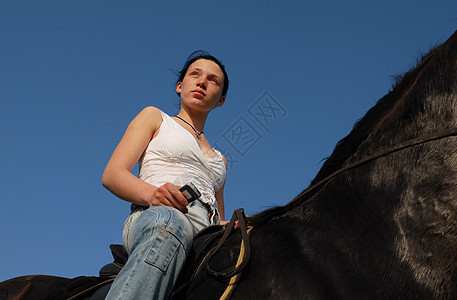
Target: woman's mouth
{"x":199,"y":92}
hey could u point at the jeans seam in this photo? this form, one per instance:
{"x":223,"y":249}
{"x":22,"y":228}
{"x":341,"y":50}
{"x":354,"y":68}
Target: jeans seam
{"x":156,"y":256}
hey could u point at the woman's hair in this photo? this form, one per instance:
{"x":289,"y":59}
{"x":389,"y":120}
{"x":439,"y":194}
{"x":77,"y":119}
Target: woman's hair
{"x":202,"y":54}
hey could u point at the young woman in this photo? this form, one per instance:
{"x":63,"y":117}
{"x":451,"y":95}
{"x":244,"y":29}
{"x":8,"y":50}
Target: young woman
{"x":172,"y":151}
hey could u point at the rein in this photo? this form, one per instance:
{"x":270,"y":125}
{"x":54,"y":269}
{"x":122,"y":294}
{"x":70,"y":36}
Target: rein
{"x":407,"y":144}
{"x":238,"y":215}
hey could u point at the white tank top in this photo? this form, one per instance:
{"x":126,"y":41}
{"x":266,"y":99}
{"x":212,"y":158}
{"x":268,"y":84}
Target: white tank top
{"x":174,"y":156}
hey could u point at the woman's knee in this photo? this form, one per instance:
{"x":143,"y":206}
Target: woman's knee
{"x":172,"y":238}
{"x":176,"y":223}
{"x":167,"y":219}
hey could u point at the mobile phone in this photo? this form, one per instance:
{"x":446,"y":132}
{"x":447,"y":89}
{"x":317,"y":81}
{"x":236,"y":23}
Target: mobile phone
{"x":190,"y":192}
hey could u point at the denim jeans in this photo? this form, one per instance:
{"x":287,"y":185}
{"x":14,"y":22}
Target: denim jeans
{"x":157,"y":240}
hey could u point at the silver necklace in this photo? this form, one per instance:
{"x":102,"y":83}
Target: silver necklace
{"x":197,"y":133}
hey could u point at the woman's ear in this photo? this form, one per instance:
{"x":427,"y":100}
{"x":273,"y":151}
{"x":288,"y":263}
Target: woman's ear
{"x":179,"y":87}
{"x":221,"y":101}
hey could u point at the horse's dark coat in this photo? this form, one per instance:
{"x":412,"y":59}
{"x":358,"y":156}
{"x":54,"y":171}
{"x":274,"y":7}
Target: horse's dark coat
{"x":29,"y":286}
{"x":387,"y":229}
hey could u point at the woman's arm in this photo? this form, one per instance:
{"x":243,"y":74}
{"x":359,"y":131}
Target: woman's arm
{"x":220,"y":198}
{"x":220,"y":202}
{"x":117,"y":176}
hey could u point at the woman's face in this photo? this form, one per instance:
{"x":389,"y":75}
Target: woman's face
{"x":201,"y":87}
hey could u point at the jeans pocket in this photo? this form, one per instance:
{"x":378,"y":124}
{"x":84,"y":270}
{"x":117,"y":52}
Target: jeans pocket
{"x":163,"y":249}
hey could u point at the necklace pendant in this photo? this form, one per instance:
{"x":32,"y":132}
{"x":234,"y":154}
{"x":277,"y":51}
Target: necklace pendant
{"x":197,"y":134}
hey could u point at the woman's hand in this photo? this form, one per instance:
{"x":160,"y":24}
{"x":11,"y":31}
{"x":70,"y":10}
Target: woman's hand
{"x":169,"y":195}
{"x":237,"y":224}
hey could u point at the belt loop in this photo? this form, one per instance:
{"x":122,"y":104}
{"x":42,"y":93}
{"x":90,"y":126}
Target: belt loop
{"x":216,"y":216}
{"x":213,"y":215}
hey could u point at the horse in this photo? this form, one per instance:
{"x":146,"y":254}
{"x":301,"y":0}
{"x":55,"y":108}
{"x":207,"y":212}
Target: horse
{"x":379,"y":220}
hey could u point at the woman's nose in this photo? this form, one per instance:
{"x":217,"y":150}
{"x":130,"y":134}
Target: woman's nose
{"x":202,"y":82}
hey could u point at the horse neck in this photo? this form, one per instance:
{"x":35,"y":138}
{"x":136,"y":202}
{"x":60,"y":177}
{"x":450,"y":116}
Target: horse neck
{"x":406,"y":199}
{"x":422,"y":102}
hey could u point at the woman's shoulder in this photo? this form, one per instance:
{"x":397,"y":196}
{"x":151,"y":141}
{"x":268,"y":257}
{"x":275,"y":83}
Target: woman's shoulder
{"x":149,"y":117}
{"x":151,"y":111}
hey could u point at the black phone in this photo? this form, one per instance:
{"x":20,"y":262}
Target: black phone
{"x":190,"y":192}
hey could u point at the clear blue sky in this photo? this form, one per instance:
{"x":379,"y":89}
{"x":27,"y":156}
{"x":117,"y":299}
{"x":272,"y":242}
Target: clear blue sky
{"x":74,"y":73}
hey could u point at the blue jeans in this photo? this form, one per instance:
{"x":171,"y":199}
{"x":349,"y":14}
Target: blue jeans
{"x":157,"y":240}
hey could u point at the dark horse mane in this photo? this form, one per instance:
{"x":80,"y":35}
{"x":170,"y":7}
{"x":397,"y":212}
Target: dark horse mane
{"x":435,"y":73}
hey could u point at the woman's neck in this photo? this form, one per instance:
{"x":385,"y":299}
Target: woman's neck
{"x":197,"y":120}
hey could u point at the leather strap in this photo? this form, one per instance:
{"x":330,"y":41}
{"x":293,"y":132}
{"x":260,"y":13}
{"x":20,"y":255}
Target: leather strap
{"x":238,"y":215}
{"x":406,"y":144}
